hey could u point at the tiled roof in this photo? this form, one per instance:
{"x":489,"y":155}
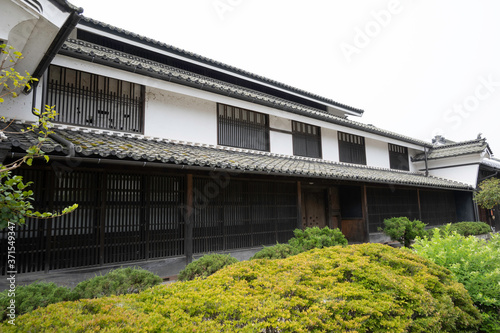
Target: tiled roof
{"x":105,"y":144}
{"x":100,"y":54}
{"x":130,"y":35}
{"x":492,"y":163}
{"x":454,"y":149}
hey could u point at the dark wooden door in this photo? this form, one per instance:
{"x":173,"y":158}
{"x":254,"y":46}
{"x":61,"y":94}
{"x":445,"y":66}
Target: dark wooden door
{"x":314,"y":208}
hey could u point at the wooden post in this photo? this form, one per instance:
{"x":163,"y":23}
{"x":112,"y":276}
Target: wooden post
{"x":299,"y":205}
{"x":188,"y":220}
{"x":102,"y":215}
{"x":419,"y":207}
{"x":365,"y":215}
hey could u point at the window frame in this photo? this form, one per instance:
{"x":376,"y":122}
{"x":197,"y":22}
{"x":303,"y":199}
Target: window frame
{"x":352,"y":148}
{"x":395,"y":154}
{"x":93,"y":100}
{"x":242,"y":128}
{"x":308,"y":135}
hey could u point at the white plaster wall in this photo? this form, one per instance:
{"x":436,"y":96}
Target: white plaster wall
{"x":412,"y":153}
{"x":180,"y":117}
{"x":462,"y":169}
{"x":281,"y":143}
{"x":329,"y":144}
{"x":280,"y":123}
{"x":377,"y":153}
{"x":465,"y":174}
{"x":18,"y":108}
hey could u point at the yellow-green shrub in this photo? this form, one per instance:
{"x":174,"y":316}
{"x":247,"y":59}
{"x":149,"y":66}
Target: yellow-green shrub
{"x":359,"y":288}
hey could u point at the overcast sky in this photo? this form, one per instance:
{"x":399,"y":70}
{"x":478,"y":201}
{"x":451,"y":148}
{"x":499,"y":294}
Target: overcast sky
{"x":417,"y":67}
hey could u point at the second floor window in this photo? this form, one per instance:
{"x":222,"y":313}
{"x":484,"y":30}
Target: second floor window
{"x":306,"y":140}
{"x":242,"y":128}
{"x":351,"y":148}
{"x":398,"y":157}
{"x":93,"y":100}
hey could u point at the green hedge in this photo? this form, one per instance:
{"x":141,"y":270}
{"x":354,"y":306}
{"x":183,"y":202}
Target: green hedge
{"x":117,"y":282}
{"x":205,"y":266}
{"x":304,"y":240}
{"x":358,"y":288}
{"x":40,"y":294}
{"x":34,"y":296}
{"x":464,"y":228}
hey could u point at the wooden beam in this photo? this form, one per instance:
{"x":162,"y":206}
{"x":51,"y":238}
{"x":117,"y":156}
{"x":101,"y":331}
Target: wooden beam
{"x":188,"y":220}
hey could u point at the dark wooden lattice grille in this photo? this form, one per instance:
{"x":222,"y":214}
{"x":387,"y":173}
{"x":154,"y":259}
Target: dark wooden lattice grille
{"x":351,"y":148}
{"x":387,"y":202}
{"x":306,"y":140}
{"x":95,"y":101}
{"x":121,"y":217}
{"x":398,"y":157}
{"x":438,"y":207}
{"x":242,"y":128}
{"x":242,"y":214}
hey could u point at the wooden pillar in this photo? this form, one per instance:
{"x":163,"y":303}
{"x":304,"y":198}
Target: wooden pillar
{"x":365,"y":214}
{"x":188,"y":220}
{"x":102,"y":215}
{"x":146,"y":206}
{"x":419,"y":206}
{"x":299,"y":205}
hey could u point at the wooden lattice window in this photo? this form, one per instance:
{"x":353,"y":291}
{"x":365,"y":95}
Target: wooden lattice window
{"x":93,"y":100}
{"x":351,"y":148}
{"x":242,"y":128}
{"x":306,"y":140}
{"x":398,"y":157}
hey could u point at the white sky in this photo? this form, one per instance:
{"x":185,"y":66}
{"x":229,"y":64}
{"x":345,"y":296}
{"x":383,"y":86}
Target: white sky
{"x":417,"y":67}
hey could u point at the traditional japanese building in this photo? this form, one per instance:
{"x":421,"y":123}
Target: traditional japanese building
{"x":170,"y":154}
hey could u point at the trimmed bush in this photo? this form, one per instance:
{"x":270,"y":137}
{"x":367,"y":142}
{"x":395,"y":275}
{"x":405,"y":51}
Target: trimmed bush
{"x":278,"y":251}
{"x":117,"y":282}
{"x":464,"y":228}
{"x":475,"y":263}
{"x":205,"y":266}
{"x":358,"y":288}
{"x":34,"y":296}
{"x":403,"y":230}
{"x":316,"y":238}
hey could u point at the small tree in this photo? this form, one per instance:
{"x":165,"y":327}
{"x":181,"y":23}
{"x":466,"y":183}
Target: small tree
{"x":488,"y":195}
{"x":15,"y":198}
{"x":403,"y":230}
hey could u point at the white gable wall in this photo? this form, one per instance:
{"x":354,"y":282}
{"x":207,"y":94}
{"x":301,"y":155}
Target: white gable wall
{"x":462,"y":169}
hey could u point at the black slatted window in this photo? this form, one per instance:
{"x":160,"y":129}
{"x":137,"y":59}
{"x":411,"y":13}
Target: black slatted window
{"x":398,"y":157}
{"x":306,"y":140}
{"x":242,"y":128}
{"x":92,"y":100}
{"x":351,"y":148}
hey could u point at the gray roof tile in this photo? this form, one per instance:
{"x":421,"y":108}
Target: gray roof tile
{"x":454,"y":149}
{"x":100,"y":145}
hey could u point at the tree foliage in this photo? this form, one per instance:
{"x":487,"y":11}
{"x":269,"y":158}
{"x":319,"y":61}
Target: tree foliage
{"x":475,"y":263}
{"x":403,"y":230}
{"x":15,"y":197}
{"x":488,"y":195}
